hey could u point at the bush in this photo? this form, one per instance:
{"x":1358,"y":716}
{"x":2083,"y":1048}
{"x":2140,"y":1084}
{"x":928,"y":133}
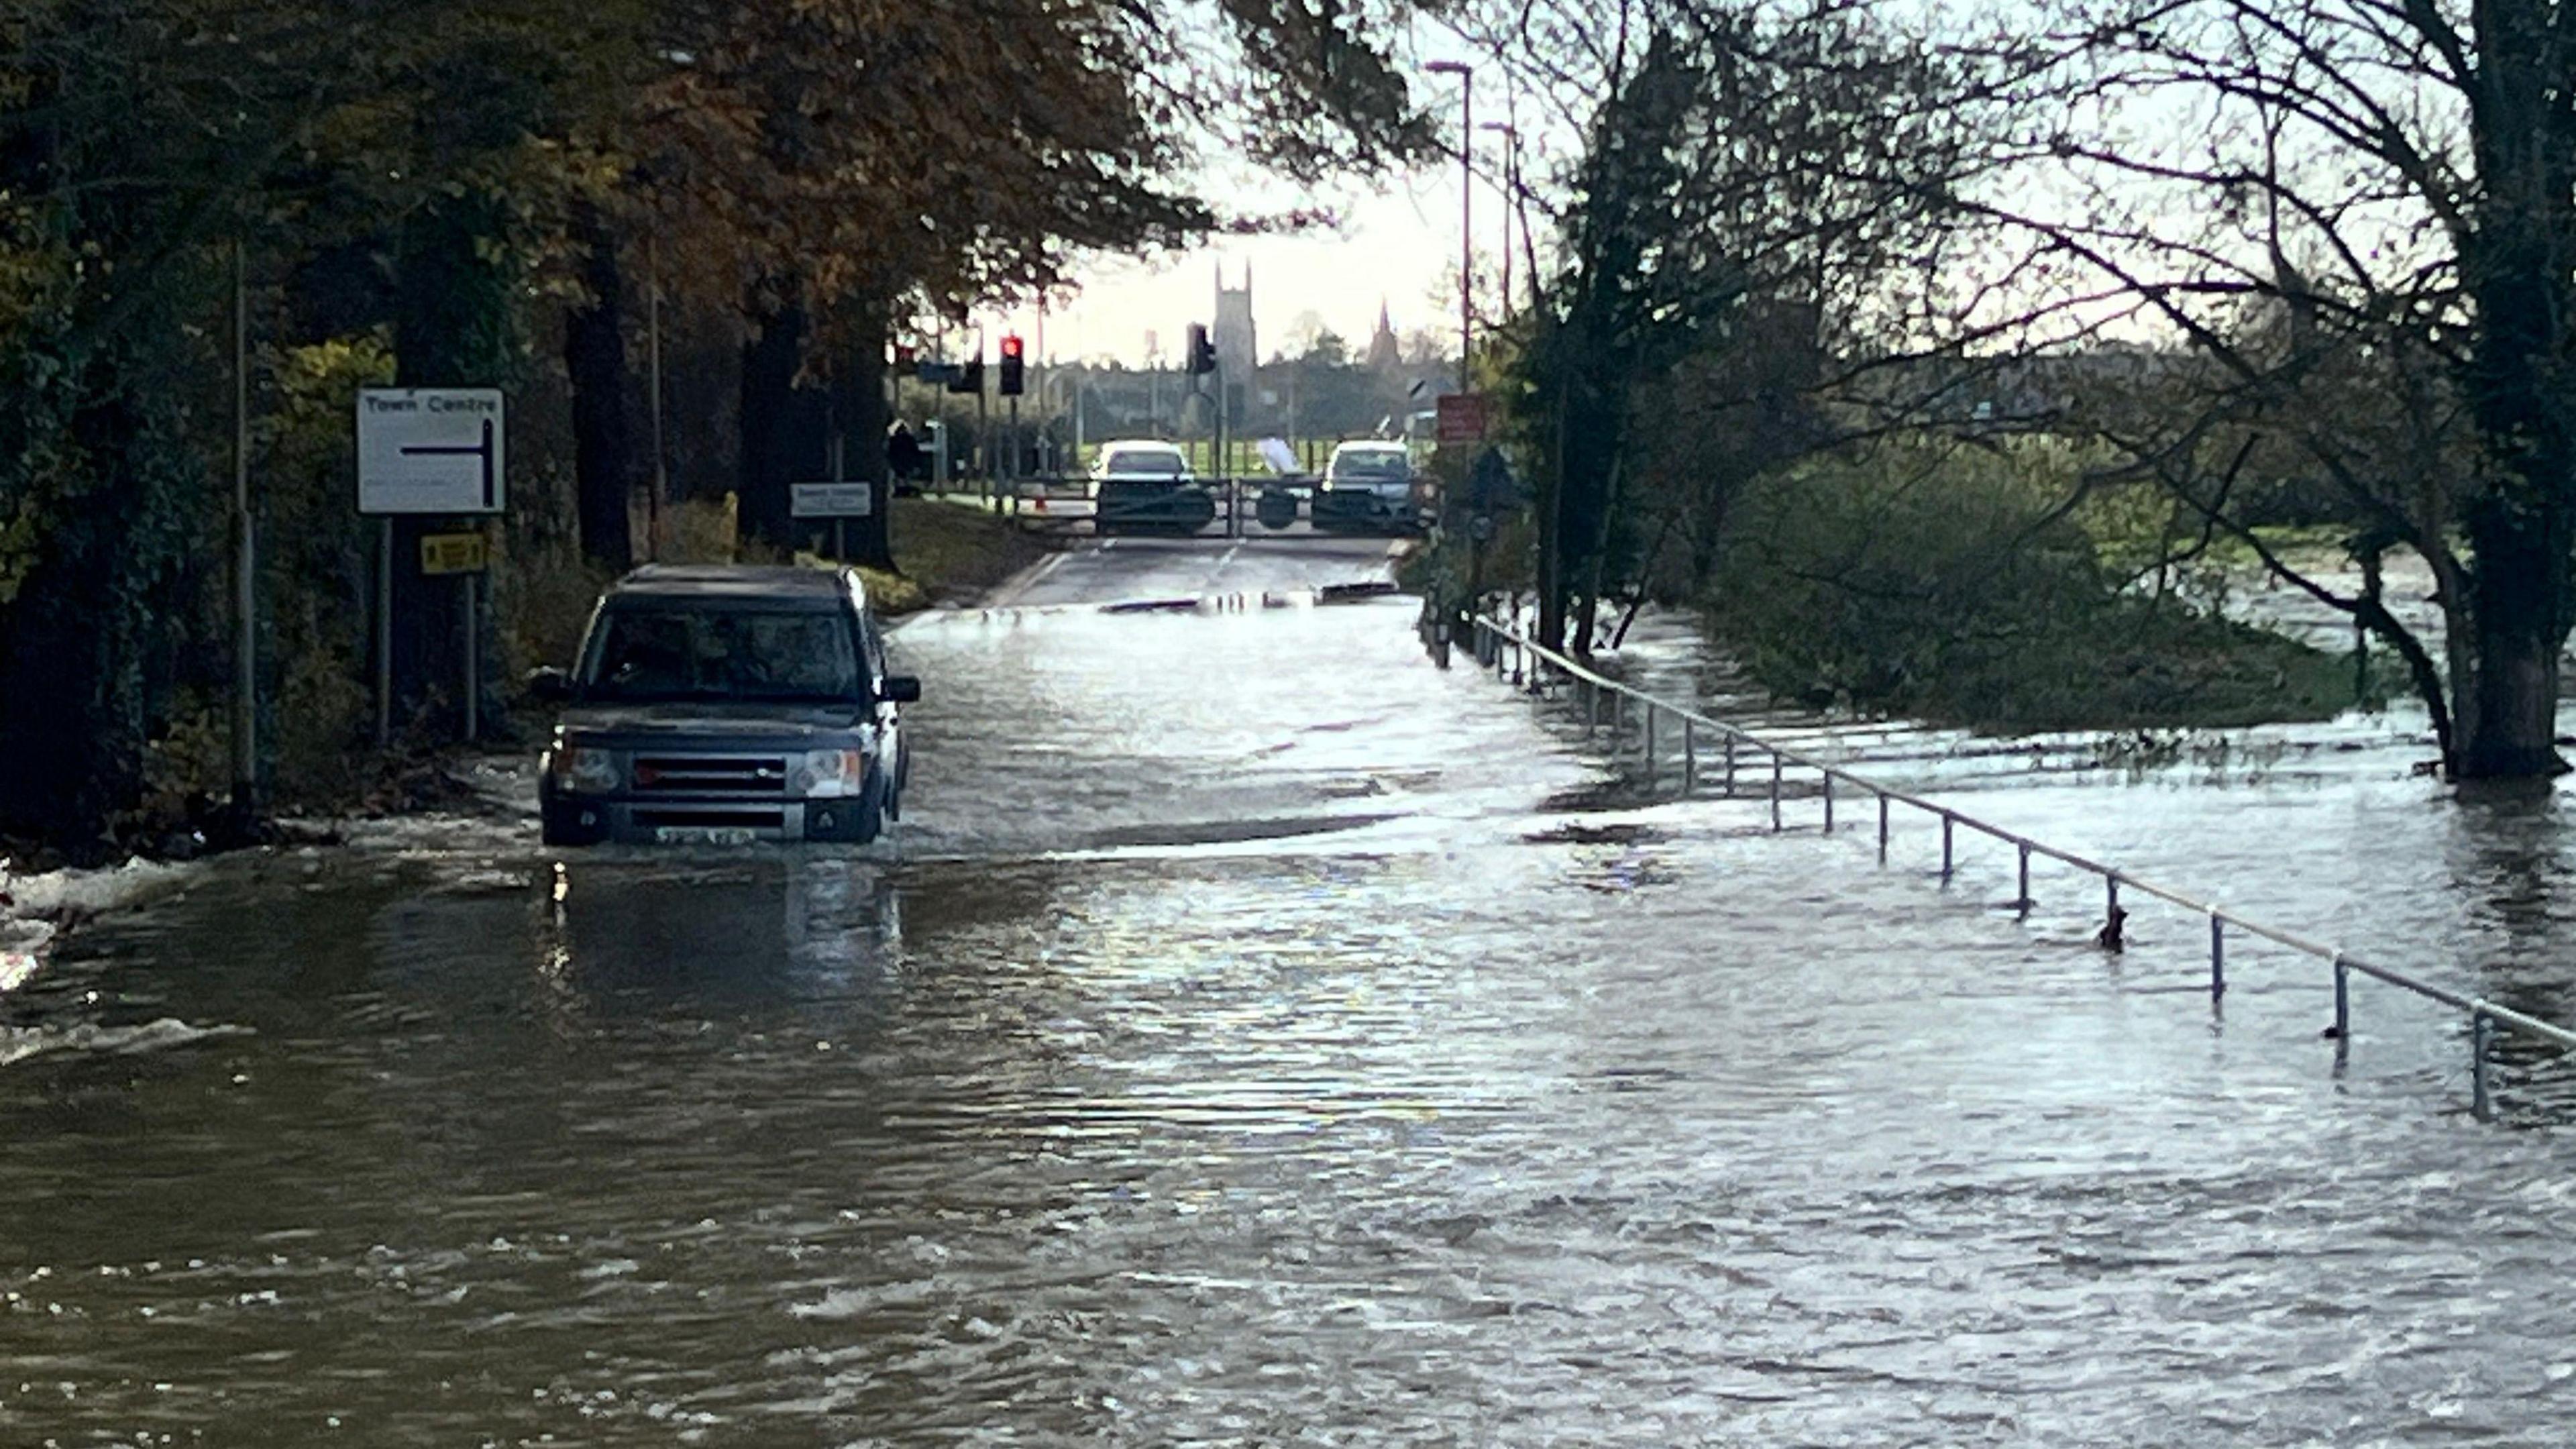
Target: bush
{"x":1937,"y":583}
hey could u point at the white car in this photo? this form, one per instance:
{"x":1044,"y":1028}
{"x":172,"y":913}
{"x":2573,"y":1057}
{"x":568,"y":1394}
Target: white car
{"x":1146,"y":486}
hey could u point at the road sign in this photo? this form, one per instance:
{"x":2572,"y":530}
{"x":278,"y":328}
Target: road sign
{"x":453,"y":553}
{"x":430,"y":450}
{"x":1462,"y":417}
{"x":831,"y":500}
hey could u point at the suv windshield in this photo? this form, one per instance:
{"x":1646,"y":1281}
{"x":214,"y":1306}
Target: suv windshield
{"x":1142,"y":462}
{"x":672,"y":652}
{"x":1371,"y":465}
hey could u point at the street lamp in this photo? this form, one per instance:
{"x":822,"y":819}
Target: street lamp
{"x":1466,"y":75}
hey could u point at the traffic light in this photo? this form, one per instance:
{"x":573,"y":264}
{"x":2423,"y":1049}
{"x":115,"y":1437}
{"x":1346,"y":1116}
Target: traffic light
{"x":1014,"y":365}
{"x":970,"y":377}
{"x":1202,"y":349}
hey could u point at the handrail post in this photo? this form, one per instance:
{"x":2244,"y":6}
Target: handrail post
{"x":2343,"y":1007}
{"x":1690,"y":756}
{"x":1618,"y":717}
{"x":1591,"y":708}
{"x":2481,"y":1037}
{"x":1882,"y":828}
{"x":2111,"y":915}
{"x":2021,"y":901}
{"x":1775,"y":789}
{"x":1651,"y":761}
{"x":1829,"y":802}
{"x":2217,"y":955}
{"x":1730,"y":764}
{"x":1945,"y":847}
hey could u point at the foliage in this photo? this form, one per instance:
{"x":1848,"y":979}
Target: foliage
{"x":2358,"y":242}
{"x":1938,"y":582}
{"x":439,"y":203}
{"x":1749,"y":184}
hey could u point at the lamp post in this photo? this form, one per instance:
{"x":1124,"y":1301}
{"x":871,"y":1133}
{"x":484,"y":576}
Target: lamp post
{"x":1466,"y":75}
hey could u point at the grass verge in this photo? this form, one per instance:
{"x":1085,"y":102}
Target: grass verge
{"x":944,"y":553}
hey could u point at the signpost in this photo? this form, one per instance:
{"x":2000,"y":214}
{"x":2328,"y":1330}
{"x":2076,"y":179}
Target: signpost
{"x":453,"y":553}
{"x":835,"y":501}
{"x":1461,"y":417}
{"x":430,"y":451}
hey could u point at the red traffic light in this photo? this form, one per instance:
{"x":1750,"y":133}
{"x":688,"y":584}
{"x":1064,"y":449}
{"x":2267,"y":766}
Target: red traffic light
{"x":1014,"y":366}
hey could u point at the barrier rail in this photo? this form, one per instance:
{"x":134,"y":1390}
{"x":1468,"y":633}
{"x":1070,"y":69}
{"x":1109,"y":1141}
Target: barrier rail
{"x":1237,"y":508}
{"x":2485,"y":1017}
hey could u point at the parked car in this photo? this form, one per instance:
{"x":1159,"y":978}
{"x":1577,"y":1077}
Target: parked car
{"x":1371,"y":487}
{"x":722,"y":704}
{"x":1146,"y":486}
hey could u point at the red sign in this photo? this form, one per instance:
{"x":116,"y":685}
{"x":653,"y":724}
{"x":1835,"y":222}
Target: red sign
{"x":1462,"y":417}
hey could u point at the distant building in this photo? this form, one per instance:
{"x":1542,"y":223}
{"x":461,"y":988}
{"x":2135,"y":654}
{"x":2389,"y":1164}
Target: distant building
{"x":1235,"y":349}
{"x":1383,"y":353}
{"x":1237,"y":354}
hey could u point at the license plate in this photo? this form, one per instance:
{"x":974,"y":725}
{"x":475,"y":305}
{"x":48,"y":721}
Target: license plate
{"x":702,"y":835}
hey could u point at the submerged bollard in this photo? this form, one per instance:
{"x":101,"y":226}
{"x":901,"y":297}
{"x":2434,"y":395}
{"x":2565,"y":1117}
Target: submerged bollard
{"x":2481,"y":1037}
{"x":2341,"y":1031}
{"x":2217,"y":955}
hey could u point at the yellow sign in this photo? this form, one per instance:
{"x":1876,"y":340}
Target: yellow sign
{"x":452,"y":553}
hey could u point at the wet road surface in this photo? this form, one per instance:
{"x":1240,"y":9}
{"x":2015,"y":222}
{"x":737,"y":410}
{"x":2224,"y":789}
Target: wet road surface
{"x":1259,"y":1036}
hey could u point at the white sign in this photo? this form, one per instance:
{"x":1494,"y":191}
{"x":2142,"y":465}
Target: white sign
{"x":1281,"y":458}
{"x":831,"y":500}
{"x":430,"y":450}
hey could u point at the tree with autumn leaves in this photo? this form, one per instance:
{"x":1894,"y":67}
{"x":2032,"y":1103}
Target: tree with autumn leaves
{"x":483,"y":193}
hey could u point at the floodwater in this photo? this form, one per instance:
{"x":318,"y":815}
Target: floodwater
{"x":1260,"y":1036}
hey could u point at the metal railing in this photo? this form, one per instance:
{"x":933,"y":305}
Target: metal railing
{"x":1494,"y":637}
{"x":1240,"y":508}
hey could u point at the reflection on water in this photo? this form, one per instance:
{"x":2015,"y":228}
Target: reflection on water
{"x":1155,"y":1095}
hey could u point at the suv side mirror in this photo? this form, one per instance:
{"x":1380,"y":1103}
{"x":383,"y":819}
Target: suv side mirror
{"x":903,"y":688}
{"x":549,"y":685}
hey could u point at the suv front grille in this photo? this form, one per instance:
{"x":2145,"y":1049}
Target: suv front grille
{"x":710,"y":775}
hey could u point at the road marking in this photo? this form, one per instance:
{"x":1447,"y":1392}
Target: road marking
{"x":1218,"y":572}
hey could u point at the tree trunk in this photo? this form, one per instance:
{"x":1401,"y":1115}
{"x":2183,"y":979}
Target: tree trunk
{"x":87,"y":639}
{"x":2518,"y":266}
{"x":1551,"y":536}
{"x":859,"y":410}
{"x":773,"y":427}
{"x":454,"y":326}
{"x":602,"y":433}
{"x":2510,"y":704}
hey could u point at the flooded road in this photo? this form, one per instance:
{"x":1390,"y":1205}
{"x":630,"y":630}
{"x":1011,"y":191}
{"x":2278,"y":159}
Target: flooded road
{"x":1259,"y":1036}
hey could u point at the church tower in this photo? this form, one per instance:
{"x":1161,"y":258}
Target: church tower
{"x":1382,"y":353}
{"x":1236,"y":349}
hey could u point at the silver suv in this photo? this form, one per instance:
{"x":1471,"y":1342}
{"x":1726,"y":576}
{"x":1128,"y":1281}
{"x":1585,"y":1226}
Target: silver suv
{"x":726,"y":704}
{"x":1369,"y":486}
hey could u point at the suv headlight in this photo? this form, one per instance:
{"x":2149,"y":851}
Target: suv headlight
{"x":822,"y":774}
{"x":584,"y":770}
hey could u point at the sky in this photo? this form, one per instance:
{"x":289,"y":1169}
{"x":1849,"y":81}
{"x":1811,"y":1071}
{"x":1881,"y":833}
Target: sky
{"x":1396,"y":244}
